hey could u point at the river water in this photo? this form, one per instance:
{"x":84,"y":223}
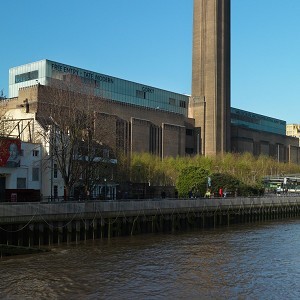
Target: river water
{"x":253,"y":261}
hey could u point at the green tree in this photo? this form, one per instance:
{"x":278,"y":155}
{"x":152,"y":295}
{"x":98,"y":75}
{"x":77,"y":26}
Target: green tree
{"x":243,"y":172}
{"x":192,"y":179}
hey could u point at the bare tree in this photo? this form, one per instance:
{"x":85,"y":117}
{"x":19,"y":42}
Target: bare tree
{"x":68,"y":119}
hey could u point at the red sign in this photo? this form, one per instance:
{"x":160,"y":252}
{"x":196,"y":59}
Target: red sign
{"x":10,"y":150}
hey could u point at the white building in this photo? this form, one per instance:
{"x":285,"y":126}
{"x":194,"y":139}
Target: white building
{"x":35,"y":174}
{"x":21,"y":176}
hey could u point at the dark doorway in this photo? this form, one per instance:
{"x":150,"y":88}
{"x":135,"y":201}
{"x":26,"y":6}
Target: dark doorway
{"x":2,"y":189}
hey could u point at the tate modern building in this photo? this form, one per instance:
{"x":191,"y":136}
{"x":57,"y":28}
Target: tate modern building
{"x":149,"y":119}
{"x":144,"y":118}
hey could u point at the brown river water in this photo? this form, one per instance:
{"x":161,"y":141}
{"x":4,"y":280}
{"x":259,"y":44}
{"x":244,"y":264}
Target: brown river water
{"x":252,"y":261}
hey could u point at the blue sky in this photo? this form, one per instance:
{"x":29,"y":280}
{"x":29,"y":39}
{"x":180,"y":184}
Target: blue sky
{"x":150,"y":41}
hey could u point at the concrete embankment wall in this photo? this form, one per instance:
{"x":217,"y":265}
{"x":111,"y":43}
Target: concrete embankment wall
{"x":37,"y":224}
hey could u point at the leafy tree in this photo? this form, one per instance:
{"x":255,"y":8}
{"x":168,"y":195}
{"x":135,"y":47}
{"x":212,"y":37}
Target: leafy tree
{"x":223,"y":180}
{"x":193,"y":180}
{"x":241,"y":172}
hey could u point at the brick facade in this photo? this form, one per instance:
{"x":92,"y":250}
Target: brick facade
{"x":124,"y":127}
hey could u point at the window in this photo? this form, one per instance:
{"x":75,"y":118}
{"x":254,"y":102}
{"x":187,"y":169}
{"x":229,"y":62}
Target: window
{"x":55,"y":191}
{"x":182,"y":104}
{"x":189,"y":132}
{"x":27,"y":76}
{"x":21,"y":183}
{"x":189,"y":150}
{"x":35,"y":153}
{"x":172,"y":101}
{"x":105,"y":153}
{"x":140,"y":94}
{"x":35,"y":174}
{"x":55,"y":171}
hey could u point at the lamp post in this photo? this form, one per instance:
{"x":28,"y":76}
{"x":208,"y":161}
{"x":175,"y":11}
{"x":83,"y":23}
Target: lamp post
{"x":139,"y":180}
{"x":104,"y":188}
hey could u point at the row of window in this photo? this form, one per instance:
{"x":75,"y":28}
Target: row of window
{"x":172,"y":101}
{"x":27,"y":76}
{"x":182,"y":103}
{"x":21,"y":182}
{"x":140,"y":94}
{"x":35,"y":153}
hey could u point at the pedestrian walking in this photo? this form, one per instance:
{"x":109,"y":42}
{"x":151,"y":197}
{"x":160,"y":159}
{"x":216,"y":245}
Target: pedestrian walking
{"x":221,"y":192}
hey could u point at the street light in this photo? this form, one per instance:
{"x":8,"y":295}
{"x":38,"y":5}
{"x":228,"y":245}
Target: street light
{"x":104,"y":188}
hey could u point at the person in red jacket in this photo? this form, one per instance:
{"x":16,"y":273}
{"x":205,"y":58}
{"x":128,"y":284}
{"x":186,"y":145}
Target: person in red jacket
{"x":220,"y":192}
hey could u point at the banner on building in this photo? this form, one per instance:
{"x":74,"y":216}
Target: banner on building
{"x":10,"y":152}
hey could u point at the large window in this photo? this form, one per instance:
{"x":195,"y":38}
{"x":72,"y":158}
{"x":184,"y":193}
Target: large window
{"x":35,"y":174}
{"x":21,"y":183}
{"x":182,"y":104}
{"x":105,"y":153}
{"x":189,"y":150}
{"x":35,"y":153}
{"x":140,"y":94}
{"x":55,"y":171}
{"x":27,"y":76}
{"x":189,"y":132}
{"x":172,"y":101}
{"x":55,"y":191}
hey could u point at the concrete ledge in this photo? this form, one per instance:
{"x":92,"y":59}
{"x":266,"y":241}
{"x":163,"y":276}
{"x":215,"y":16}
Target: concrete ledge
{"x":24,"y":212}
